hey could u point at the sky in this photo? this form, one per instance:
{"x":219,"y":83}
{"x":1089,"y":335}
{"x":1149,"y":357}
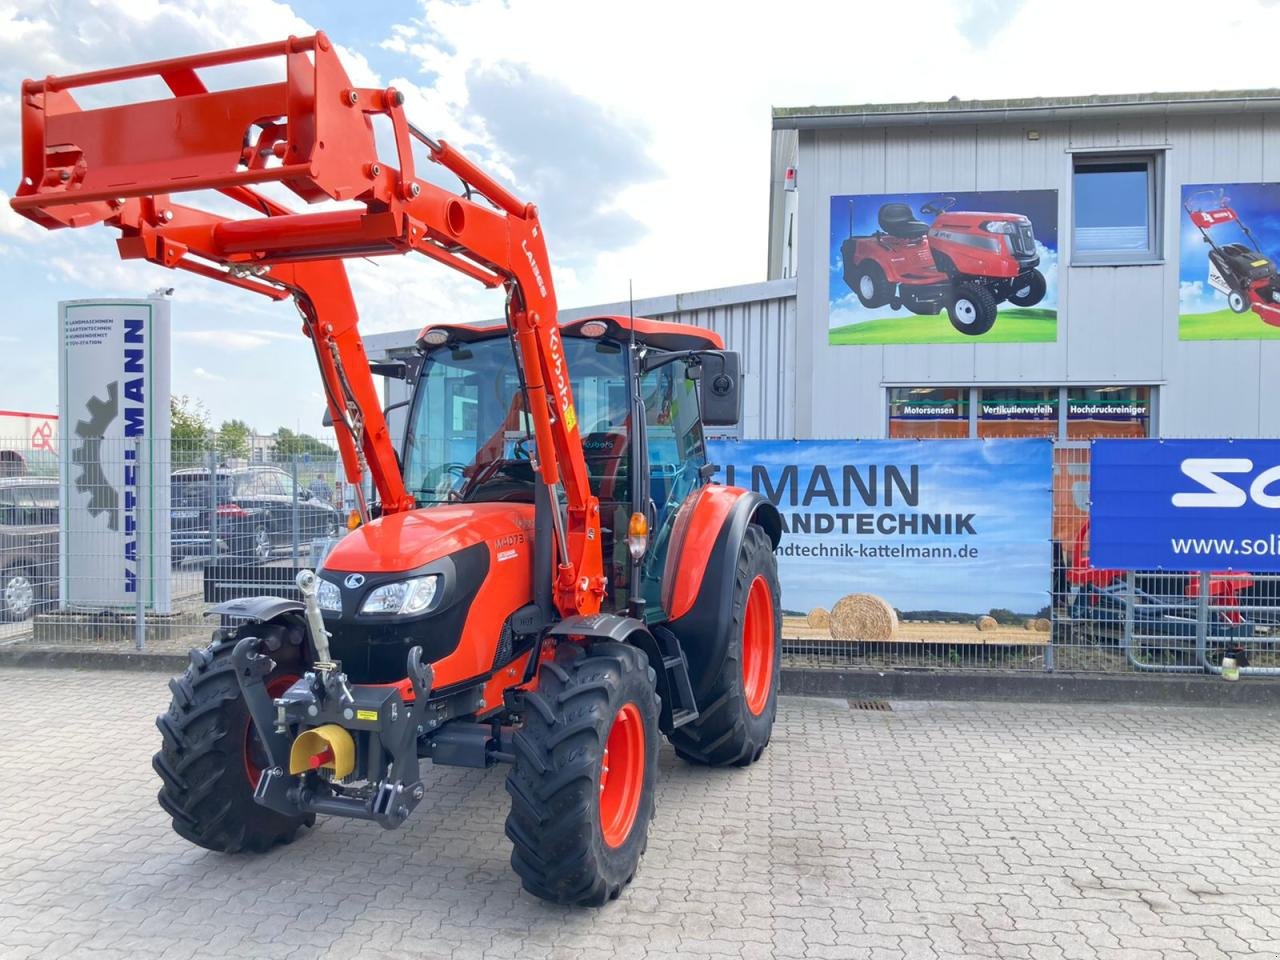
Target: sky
{"x":642,"y":131}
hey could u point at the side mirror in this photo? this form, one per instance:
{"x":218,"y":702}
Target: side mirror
{"x":720,"y":387}
{"x":304,"y":493}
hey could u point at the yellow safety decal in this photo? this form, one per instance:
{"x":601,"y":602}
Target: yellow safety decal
{"x":1259,"y":263}
{"x":570,"y":417}
{"x":370,"y":715}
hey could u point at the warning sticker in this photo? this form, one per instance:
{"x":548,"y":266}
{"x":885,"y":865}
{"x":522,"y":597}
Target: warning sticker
{"x":570,"y":417}
{"x":370,"y":715}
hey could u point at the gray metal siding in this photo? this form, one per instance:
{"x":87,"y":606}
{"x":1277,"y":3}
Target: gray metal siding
{"x":1116,"y":324}
{"x":758,"y":320}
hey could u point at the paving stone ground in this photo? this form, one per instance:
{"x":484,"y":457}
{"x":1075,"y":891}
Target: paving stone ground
{"x":929,"y":831}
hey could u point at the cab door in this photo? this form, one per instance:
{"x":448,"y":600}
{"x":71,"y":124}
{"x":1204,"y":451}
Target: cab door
{"x":676,"y":453}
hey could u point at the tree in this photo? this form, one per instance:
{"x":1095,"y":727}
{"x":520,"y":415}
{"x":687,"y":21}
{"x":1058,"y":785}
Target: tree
{"x":233,"y":439}
{"x":290,"y":444}
{"x":188,"y":429}
{"x":1002,"y":615}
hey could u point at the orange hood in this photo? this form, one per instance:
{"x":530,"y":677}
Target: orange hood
{"x":406,"y":541}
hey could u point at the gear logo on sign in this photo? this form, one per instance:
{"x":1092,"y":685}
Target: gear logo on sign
{"x":87,"y":455}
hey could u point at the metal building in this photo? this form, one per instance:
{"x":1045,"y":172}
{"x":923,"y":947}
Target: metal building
{"x":757,"y":319}
{"x":1126,"y":334}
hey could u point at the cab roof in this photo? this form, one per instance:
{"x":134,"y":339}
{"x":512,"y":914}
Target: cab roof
{"x":660,"y":334}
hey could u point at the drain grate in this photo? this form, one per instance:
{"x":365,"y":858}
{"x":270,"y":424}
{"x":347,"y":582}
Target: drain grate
{"x":869,"y":705}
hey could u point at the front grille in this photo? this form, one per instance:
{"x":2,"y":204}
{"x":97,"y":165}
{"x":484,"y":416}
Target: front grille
{"x":1024,"y":241}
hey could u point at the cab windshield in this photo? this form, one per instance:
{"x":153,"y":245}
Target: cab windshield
{"x":471,"y":438}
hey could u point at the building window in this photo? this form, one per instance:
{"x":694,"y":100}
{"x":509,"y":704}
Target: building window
{"x":1116,"y":209}
{"x":930,"y":413}
{"x":1095,"y":412}
{"x":1018,"y":412}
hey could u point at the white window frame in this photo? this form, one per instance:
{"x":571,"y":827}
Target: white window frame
{"x":1154,"y":253}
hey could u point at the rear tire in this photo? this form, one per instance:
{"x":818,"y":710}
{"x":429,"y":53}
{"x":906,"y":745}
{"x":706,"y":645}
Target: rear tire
{"x":736,"y":720}
{"x":871,"y":286}
{"x":209,"y":750}
{"x":578,"y":830}
{"x":972,"y":310}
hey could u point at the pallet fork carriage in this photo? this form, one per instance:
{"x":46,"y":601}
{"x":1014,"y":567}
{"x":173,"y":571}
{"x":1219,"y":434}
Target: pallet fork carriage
{"x":541,"y":583}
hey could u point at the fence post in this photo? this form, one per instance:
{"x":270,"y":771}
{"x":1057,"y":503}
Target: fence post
{"x":1202,"y":618}
{"x":293,"y":515}
{"x":1130,"y":609}
{"x":140,"y":602}
{"x":213,"y":505}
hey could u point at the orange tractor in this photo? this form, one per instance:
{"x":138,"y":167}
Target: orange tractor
{"x":546,"y":578}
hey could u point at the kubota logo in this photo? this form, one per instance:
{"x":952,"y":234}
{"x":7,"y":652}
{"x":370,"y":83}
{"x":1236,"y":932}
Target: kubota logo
{"x":1221,"y":492}
{"x":557,"y":368}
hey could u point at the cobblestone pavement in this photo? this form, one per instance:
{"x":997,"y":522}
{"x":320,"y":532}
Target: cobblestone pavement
{"x":932,"y":830}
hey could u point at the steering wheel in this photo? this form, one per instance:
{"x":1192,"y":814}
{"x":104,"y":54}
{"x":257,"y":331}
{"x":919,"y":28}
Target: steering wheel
{"x":941,"y":205}
{"x":448,"y":479}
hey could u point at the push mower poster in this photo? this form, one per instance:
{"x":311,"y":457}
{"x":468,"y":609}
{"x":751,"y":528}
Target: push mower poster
{"x":978,"y":267}
{"x":945,"y":533}
{"x":1229,"y":236}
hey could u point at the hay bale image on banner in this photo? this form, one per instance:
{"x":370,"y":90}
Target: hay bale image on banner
{"x":890,"y":535}
{"x":958,"y":267}
{"x":1228,"y":287}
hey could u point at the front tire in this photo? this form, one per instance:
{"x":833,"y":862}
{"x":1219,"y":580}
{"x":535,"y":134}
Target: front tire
{"x":210,"y":755}
{"x":582,"y":783}
{"x":736,"y":718}
{"x":1029,"y":291}
{"x":1237,"y":302}
{"x":972,"y":310}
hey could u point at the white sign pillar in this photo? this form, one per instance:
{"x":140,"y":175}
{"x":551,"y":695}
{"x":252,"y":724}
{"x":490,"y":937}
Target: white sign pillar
{"x":113,"y":431}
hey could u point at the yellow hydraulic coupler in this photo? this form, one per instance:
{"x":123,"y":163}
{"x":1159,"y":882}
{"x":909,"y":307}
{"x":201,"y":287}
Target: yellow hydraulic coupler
{"x":326,"y":746}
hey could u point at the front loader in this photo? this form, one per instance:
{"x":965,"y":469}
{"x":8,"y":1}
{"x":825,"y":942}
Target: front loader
{"x":546,"y":578}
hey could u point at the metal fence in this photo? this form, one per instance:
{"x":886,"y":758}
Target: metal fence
{"x":123,"y":546}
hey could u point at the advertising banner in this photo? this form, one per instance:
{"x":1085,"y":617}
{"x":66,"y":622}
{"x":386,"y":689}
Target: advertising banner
{"x":113,"y":421}
{"x":1186,"y":505}
{"x":977,"y":267}
{"x":1227,"y":284}
{"x":941,"y":530}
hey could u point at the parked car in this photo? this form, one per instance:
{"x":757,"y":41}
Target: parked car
{"x":251,"y":517}
{"x":28,"y":545}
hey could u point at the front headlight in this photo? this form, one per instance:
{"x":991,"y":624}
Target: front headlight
{"x":329,"y":597}
{"x":999,"y":226}
{"x":406,"y":598}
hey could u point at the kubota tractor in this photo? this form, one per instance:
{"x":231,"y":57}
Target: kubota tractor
{"x":547,"y":578}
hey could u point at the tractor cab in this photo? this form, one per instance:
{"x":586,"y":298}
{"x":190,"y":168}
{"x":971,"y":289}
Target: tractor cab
{"x":639,"y":411}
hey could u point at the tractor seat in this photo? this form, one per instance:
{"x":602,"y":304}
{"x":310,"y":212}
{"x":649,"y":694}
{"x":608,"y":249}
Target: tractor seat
{"x":898,"y":220}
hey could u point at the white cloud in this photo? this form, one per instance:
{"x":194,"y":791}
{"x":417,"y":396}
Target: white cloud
{"x":232,"y":339}
{"x":202,"y":374}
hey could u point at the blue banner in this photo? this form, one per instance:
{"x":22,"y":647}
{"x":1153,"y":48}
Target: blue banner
{"x":1185,"y":505}
{"x":944,"y":529}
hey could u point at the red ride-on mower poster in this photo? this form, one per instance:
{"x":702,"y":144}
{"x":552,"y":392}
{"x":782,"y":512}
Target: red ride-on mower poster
{"x":1228,"y":285}
{"x":944,"y":267}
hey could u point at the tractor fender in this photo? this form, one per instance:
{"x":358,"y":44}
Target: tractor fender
{"x":257,"y":609}
{"x":600,"y":626}
{"x":699,"y":576}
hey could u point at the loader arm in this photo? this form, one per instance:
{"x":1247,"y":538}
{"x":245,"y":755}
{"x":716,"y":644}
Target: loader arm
{"x":313,"y":134}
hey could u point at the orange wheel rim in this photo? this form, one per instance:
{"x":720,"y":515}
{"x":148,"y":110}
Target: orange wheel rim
{"x":757,"y":646}
{"x":622,"y":775}
{"x":254,"y":751}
